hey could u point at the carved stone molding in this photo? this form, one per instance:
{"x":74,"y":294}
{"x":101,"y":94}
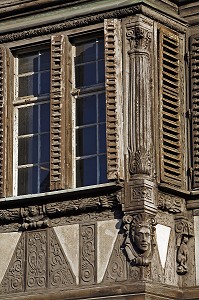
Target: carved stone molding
{"x":139,"y":240}
{"x":57,"y":213}
{"x":171,"y":203}
{"x":184,"y":231}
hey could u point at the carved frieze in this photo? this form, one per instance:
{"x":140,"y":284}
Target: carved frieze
{"x":54,"y":213}
{"x":184,"y":231}
{"x":171,"y":203}
{"x":139,"y":240}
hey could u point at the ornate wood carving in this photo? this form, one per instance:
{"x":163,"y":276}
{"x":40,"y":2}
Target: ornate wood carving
{"x":139,"y":240}
{"x":138,"y":33}
{"x":116,"y":269}
{"x":87,"y":254}
{"x":171,"y":203}
{"x":13,"y":280}
{"x":38,"y":263}
{"x":184,"y":230}
{"x":113,"y":73}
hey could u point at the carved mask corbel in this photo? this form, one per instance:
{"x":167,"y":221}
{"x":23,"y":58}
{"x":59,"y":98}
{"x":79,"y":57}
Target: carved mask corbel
{"x":139,"y":239}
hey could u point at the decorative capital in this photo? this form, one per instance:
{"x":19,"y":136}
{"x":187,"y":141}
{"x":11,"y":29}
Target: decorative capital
{"x":139,"y":38}
{"x":140,"y":239}
{"x":140,"y":161}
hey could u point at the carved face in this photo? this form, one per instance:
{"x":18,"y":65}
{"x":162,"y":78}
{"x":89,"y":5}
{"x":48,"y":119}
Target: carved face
{"x":142,"y":237}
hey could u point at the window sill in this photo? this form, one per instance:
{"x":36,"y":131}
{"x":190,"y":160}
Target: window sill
{"x":64,"y":194}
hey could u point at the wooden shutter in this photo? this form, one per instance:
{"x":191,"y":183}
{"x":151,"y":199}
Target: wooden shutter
{"x":171,"y":106}
{"x":2,"y":120}
{"x":113,"y":77}
{"x":194,"y":69}
{"x":60,"y":85}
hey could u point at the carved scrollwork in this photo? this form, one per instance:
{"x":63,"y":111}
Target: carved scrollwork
{"x":171,"y":203}
{"x":184,"y":231}
{"x":139,"y":239}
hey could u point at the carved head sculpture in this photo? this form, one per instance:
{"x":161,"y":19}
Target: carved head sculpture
{"x":139,"y":241}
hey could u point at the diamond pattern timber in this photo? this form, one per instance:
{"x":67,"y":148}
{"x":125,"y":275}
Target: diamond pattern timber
{"x":2,"y":100}
{"x":170,"y":110}
{"x":58,"y":61}
{"x":195,"y":107}
{"x":112,"y":32}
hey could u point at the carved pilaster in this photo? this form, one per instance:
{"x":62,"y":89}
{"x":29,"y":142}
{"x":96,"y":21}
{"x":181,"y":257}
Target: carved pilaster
{"x":138,"y":35}
{"x":184,"y":231}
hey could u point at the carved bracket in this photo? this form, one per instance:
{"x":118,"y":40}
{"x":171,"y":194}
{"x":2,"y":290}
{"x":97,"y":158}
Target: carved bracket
{"x":139,"y":240}
{"x":184,"y":231}
{"x":170,"y":203}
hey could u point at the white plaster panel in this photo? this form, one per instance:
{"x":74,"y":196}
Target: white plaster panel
{"x":107,"y":232}
{"x":8,"y":243}
{"x":69,"y":238}
{"x":162,"y":234}
{"x":196,"y":230}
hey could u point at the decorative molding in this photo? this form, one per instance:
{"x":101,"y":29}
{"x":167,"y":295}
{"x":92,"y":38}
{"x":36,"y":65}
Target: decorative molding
{"x":2,"y":129}
{"x":139,"y":240}
{"x":87,"y":274}
{"x":171,"y":203}
{"x":89,"y":20}
{"x":34,"y":217}
{"x":184,"y":231}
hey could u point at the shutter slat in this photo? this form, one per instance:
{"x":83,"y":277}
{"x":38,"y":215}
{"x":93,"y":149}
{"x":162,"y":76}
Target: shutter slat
{"x":170,"y":129}
{"x":113,"y":76}
{"x":194,"y":68}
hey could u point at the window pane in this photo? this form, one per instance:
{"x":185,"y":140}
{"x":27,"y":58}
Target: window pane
{"x":86,"y":110}
{"x":28,"y":120}
{"x":102,"y":107}
{"x":86,"y":140}
{"x":27,"y":180}
{"x":100,"y":44}
{"x":86,"y":171}
{"x":28,"y":63}
{"x":103,"y":169}
{"x":27,"y":150}
{"x":44,"y":178}
{"x":45,"y":147}
{"x":28,"y":85}
{"x":45,"y":60}
{"x":45,"y":117}
{"x":85,"y":75}
{"x":102,"y":138}
{"x":85,"y":52}
{"x":45,"y":82}
{"x":101,"y":71}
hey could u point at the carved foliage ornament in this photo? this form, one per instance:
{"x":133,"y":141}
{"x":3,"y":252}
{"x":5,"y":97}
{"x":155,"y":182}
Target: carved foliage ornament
{"x":139,"y":239}
{"x":139,"y":38}
{"x":184,"y":231}
{"x":171,"y":203}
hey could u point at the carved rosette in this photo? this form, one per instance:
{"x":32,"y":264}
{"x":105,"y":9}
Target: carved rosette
{"x":138,"y":34}
{"x":184,"y":231}
{"x":139,"y":240}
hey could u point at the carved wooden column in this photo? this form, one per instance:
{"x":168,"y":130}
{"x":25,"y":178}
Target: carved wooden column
{"x":139,"y":41}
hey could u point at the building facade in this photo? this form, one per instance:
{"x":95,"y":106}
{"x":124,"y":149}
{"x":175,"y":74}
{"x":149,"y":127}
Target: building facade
{"x":99,"y":149}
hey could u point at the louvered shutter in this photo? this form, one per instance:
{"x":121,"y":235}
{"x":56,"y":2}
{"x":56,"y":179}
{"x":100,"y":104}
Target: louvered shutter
{"x":171,"y":103}
{"x":2,"y":119}
{"x":194,"y":68}
{"x":60,"y":85}
{"x":113,"y":77}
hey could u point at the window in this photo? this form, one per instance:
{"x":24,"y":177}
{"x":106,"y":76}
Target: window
{"x":32,"y":122}
{"x":60,"y":114}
